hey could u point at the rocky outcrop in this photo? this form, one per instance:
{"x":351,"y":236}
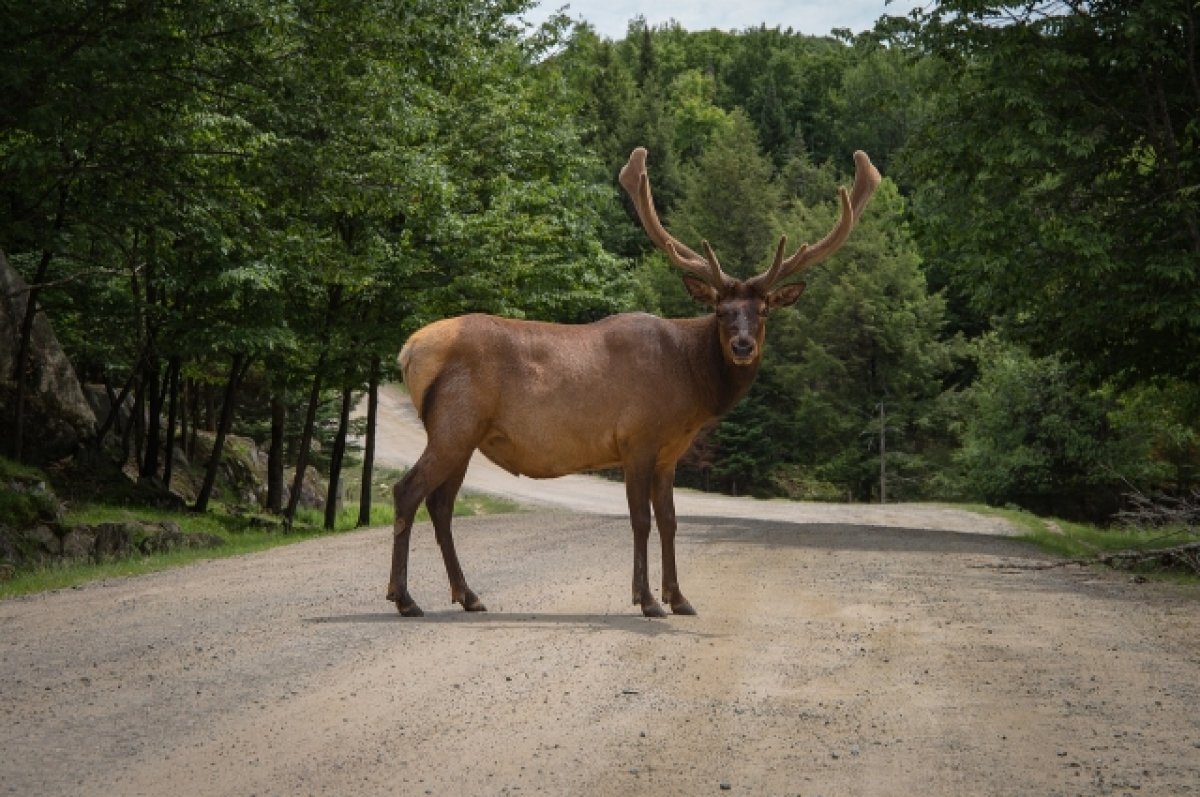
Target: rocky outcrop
{"x":58,"y":416}
{"x":33,"y":531}
{"x":242,"y":477}
{"x":47,"y":543}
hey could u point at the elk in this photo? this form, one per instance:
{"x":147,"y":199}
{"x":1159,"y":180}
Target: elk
{"x":632,"y":390}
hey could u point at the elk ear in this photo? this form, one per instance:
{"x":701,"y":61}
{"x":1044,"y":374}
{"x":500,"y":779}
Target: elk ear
{"x":786,"y":294}
{"x":701,"y":291}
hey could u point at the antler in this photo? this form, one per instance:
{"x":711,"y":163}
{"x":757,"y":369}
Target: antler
{"x":866,"y":180}
{"x":636,"y":182}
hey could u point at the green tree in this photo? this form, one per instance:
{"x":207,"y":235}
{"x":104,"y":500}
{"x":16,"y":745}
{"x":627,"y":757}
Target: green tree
{"x":866,"y":333}
{"x":1056,"y":173}
{"x":1032,"y":435}
{"x":112,"y":138}
{"x":877,"y":100}
{"x":694,"y":117}
{"x":731,"y":201}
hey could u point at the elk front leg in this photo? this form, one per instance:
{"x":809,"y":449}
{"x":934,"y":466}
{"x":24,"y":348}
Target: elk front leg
{"x":663,"y":497}
{"x":637,"y":490}
{"x":441,"y":512}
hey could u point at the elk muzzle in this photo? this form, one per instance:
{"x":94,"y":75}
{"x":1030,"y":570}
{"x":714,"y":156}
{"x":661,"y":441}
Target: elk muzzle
{"x":743,"y":350}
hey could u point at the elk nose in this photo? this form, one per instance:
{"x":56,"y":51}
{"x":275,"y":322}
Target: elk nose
{"x":742,"y":348}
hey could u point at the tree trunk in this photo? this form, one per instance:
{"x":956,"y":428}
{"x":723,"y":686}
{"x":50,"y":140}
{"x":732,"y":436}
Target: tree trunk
{"x":21,"y":365}
{"x":151,"y":380}
{"x":192,"y":410}
{"x":25,"y":339}
{"x":154,"y":405}
{"x":237,"y":370}
{"x":133,"y":418}
{"x":210,"y":410}
{"x":275,"y":457}
{"x":334,"y":300}
{"x":111,"y":418}
{"x":115,"y":402}
{"x":310,"y":417}
{"x":172,"y":415}
{"x":367,"y":491}
{"x":335,"y":461}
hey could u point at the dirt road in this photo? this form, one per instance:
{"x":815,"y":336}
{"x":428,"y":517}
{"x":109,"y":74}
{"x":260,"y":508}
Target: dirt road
{"x":829,"y":658}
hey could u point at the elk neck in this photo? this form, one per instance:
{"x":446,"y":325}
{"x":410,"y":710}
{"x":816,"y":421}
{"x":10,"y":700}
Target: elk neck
{"x":728,"y":382}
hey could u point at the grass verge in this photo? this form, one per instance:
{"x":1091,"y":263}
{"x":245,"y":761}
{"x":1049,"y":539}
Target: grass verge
{"x":1072,"y":540}
{"x":242,"y":534}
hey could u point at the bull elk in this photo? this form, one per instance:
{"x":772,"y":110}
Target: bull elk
{"x":544,"y":400}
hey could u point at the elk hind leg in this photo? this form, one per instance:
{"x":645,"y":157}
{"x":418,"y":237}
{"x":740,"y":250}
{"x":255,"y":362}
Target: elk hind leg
{"x":438,"y":463}
{"x":405,"y":510}
{"x":441,"y":511}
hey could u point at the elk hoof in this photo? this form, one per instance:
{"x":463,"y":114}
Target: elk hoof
{"x":406,"y":605}
{"x":470,"y":601}
{"x":682,"y":607}
{"x":653,"y":609}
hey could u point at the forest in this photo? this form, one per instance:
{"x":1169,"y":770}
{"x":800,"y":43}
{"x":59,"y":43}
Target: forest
{"x":234,"y":212}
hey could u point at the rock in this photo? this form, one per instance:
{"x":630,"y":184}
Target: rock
{"x":45,"y":538}
{"x":112,"y":540}
{"x":33,"y":532}
{"x":166,"y":536}
{"x":312,"y":489}
{"x":242,"y":478}
{"x":116,"y":540}
{"x":77,"y":542}
{"x":58,"y":415}
{"x":159,"y":538}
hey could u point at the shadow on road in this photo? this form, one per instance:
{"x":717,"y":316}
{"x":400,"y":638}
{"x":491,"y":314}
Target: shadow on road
{"x":493,"y":621}
{"x":833,"y":536}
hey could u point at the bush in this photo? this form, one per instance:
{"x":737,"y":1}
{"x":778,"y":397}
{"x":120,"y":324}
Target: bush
{"x":1034,"y":436}
{"x":25,"y":498}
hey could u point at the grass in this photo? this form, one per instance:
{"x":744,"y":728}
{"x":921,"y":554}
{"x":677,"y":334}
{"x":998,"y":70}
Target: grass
{"x":1072,"y":540}
{"x":10,"y":469}
{"x":242,"y":534}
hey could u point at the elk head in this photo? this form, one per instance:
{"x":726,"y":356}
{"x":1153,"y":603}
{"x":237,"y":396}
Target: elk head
{"x":742,"y":306}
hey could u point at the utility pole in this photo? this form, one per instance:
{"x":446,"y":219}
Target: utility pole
{"x":882,"y":454}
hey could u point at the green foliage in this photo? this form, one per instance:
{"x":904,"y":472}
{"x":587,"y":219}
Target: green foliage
{"x":22,"y":509}
{"x":1031,"y":434}
{"x":694,"y":117}
{"x":866,"y":332}
{"x":11,"y":470}
{"x":730,"y":200}
{"x":290,"y":185}
{"x":1056,"y":169}
{"x":25,"y":497}
{"x":300,"y":185}
{"x":1166,"y":415}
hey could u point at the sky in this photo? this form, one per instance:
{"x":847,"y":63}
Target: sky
{"x":610,"y":18}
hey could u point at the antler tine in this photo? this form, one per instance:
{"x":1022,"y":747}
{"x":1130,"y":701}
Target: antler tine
{"x":772,"y":276}
{"x":866,"y":180}
{"x":636,"y":182}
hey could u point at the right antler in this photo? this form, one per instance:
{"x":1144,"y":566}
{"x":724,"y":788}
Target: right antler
{"x":636,"y":182}
{"x":866,"y":180}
